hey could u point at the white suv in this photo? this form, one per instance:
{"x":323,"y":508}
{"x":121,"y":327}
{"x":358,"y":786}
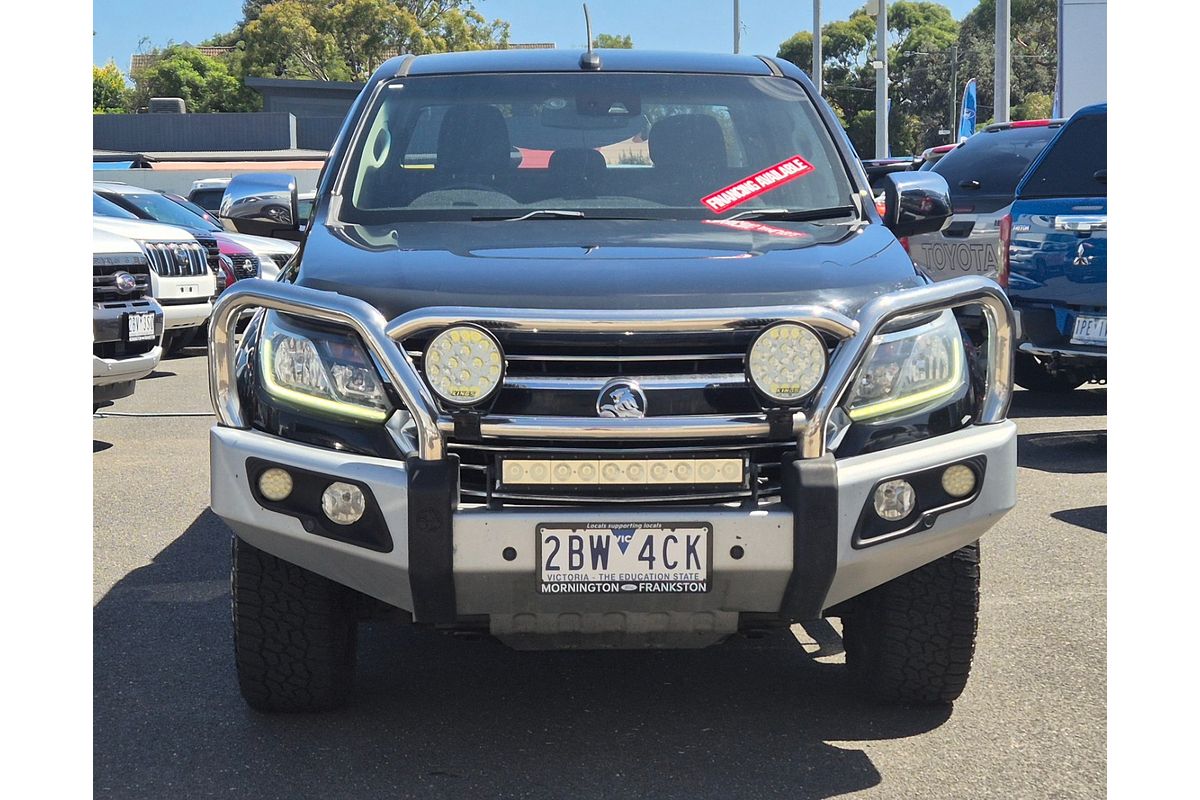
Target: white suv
{"x":180,"y":278}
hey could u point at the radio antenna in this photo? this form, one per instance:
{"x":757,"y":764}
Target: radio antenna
{"x":590,"y":59}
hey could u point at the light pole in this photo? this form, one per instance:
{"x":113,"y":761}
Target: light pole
{"x":1003,"y":60}
{"x":881,"y":83}
{"x":954,"y":92}
{"x":737,"y":28}
{"x":817,"y":64}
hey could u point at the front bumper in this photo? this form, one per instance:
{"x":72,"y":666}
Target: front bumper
{"x":114,"y":371}
{"x":448,"y":564}
{"x":186,"y":315}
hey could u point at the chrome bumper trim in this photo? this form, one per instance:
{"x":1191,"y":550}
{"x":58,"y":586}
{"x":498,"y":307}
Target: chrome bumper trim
{"x":697,"y":427}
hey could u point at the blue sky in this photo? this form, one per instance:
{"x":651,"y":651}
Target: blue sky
{"x":654,"y":24}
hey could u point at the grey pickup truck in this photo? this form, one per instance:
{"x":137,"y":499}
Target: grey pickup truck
{"x":604,"y":349}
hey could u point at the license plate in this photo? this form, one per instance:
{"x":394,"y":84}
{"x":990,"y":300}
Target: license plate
{"x":140,"y":326}
{"x":624,"y":557}
{"x":1090,"y":330}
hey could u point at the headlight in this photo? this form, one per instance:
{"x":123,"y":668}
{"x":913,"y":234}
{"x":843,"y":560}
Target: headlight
{"x":907,"y":369}
{"x":321,"y":370}
{"x":787,"y":362}
{"x":464,"y":365}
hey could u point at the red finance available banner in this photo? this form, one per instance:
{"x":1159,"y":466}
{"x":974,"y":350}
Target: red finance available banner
{"x":748,"y":188}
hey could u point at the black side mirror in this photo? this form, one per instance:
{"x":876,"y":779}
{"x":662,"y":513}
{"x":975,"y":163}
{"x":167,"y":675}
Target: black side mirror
{"x":915,"y":202}
{"x":1101,"y":175}
{"x":263,"y":204}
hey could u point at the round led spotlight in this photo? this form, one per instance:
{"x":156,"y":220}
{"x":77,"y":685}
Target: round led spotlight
{"x":787,"y":362}
{"x":275,"y":484}
{"x":343,"y":503}
{"x":958,"y":480}
{"x":894,"y":500}
{"x":464,"y":365}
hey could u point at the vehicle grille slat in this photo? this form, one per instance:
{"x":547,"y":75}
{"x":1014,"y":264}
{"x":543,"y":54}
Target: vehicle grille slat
{"x":165,"y":259}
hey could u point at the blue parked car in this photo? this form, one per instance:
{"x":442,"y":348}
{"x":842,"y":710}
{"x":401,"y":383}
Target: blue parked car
{"x":1057,"y":247}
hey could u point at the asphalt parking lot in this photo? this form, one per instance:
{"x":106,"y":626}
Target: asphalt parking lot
{"x":433,"y":716}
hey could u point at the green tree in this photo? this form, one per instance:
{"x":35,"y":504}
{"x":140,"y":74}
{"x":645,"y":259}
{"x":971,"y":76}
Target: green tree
{"x":799,"y":50}
{"x":110,"y":95}
{"x":1035,"y":105}
{"x":919,"y":41}
{"x":349,"y":39}
{"x":1034,"y":32}
{"x":613,"y":42}
{"x":205,"y":83}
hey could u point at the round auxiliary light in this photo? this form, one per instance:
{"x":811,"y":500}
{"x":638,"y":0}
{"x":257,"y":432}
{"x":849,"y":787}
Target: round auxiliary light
{"x":787,"y":362}
{"x":894,"y":500}
{"x":464,"y":365}
{"x":958,"y":480}
{"x":275,"y":484}
{"x":343,"y":503}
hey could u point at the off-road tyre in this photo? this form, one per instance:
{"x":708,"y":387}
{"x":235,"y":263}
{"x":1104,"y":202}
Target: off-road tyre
{"x":911,"y":640}
{"x":1036,"y":377}
{"x":294,"y":634}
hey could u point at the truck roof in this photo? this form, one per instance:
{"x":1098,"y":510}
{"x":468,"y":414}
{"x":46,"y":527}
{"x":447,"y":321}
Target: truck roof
{"x":569,"y":61}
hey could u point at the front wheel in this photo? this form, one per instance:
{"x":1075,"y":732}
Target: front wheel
{"x":911,"y":640}
{"x":294,"y":634}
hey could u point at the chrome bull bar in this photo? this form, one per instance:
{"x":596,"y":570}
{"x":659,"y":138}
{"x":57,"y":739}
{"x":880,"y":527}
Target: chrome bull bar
{"x":381,"y":338}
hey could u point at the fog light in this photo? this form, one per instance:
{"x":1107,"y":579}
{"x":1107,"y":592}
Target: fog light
{"x":958,"y":480}
{"x":894,"y":500}
{"x":343,"y":503}
{"x":275,"y":484}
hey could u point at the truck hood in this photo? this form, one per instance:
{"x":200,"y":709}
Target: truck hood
{"x":141,"y":230}
{"x":606,"y":264}
{"x":108,"y":243}
{"x":260,"y":244}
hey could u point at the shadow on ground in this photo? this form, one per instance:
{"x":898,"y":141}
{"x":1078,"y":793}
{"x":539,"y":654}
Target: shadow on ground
{"x":1085,"y":402}
{"x":1070,"y":452}
{"x":438,"y":717}
{"x":99,"y":446}
{"x":1094,"y":518}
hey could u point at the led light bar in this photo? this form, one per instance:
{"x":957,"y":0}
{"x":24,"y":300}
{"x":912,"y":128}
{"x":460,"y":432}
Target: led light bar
{"x":628,"y":472}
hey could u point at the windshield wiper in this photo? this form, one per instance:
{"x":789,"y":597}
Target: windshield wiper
{"x":541,"y":213}
{"x":787,"y":215}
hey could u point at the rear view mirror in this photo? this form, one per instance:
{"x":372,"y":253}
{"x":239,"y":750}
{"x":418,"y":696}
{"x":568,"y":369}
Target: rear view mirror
{"x":915,"y":202}
{"x":263,"y":204}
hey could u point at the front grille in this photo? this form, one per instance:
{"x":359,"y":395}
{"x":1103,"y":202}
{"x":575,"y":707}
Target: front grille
{"x":177,"y":259}
{"x":680,"y":374}
{"x":104,"y":281}
{"x":212,"y":251}
{"x":244,"y":266}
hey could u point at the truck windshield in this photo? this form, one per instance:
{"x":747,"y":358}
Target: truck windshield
{"x":608,"y":145}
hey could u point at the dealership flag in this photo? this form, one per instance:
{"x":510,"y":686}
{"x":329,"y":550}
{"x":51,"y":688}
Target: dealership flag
{"x":966,"y":125}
